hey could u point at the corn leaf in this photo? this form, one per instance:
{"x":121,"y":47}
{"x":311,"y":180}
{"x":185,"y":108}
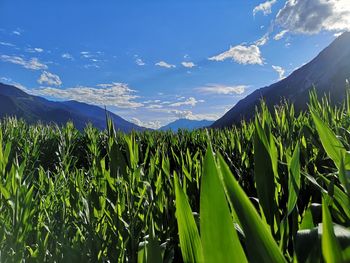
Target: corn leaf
{"x":259,"y":241}
{"x":220,"y":243}
{"x":293,"y":180}
{"x":190,"y":243}
{"x":330,"y":246}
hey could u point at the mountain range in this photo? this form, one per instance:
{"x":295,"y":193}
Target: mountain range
{"x":186,"y":124}
{"x":327,"y":72}
{"x":15,"y":102}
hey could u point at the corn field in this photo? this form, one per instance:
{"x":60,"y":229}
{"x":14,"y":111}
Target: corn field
{"x":275,"y":189}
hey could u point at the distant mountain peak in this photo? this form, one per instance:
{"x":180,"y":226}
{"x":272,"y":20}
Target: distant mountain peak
{"x":186,"y":124}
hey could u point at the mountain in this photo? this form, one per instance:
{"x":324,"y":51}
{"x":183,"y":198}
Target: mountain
{"x":327,"y":73}
{"x":186,"y":124}
{"x":15,"y":102}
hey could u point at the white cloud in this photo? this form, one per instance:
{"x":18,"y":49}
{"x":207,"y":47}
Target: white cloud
{"x":241,"y":54}
{"x":151,"y":101}
{"x":279,"y":70}
{"x":188,"y":64}
{"x":140,"y":62}
{"x":47,"y":78}
{"x":164,"y":106}
{"x":222,"y":89}
{"x":190,"y":102}
{"x":33,"y":63}
{"x":164,"y":64}
{"x":67,"y":56}
{"x":86,"y":54}
{"x":148,"y":124}
{"x":338,"y":34}
{"x":7,"y":44}
{"x":34,"y":50}
{"x":154,"y":106}
{"x":313,"y":16}
{"x":280,"y":35}
{"x":91,"y":65}
{"x":16,"y":32}
{"x":186,"y":114}
{"x":112,"y":94}
{"x":265,"y":7}
{"x":263,"y":40}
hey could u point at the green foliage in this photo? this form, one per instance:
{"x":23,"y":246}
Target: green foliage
{"x":190,"y":243}
{"x":276,"y":189}
{"x":220,"y":243}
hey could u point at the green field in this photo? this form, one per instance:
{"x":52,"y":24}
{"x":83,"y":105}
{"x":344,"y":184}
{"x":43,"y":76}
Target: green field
{"x":276,"y":189}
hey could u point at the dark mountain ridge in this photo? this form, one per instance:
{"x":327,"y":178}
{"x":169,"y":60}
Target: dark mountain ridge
{"x":16,"y":102}
{"x":327,"y":72}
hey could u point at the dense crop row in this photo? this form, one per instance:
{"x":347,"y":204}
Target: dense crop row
{"x":276,"y":189}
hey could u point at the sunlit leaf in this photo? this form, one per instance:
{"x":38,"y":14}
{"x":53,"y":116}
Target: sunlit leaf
{"x":219,"y":238}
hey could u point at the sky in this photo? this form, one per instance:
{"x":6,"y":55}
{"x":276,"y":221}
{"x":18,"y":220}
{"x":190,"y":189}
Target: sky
{"x":152,"y":62}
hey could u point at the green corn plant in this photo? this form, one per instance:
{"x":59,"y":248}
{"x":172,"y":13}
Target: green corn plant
{"x":258,"y":191}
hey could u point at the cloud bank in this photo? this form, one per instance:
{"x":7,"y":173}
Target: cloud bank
{"x":222,"y":89}
{"x":113,"y":94}
{"x":32,"y":63}
{"x":313,"y":16}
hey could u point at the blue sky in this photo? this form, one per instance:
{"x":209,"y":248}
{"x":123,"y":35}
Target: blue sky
{"x":152,"y":62}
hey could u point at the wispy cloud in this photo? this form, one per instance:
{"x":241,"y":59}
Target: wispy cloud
{"x":16,"y":32}
{"x":186,"y":114}
{"x":154,"y":106}
{"x":279,"y":70}
{"x":111,"y":94}
{"x":94,"y":59}
{"x":147,"y":124}
{"x":222,"y":89}
{"x":140,"y":62}
{"x":67,"y":56}
{"x":280,"y":35}
{"x":165,"y":65}
{"x":7,"y":44}
{"x":86,"y":54}
{"x":188,"y":64}
{"x":91,"y":65}
{"x":189,"y":102}
{"x":265,"y":8}
{"x":313,"y":16}
{"x":263,"y":40}
{"x":34,"y":50}
{"x":47,"y":78}
{"x":241,"y":54}
{"x":32,"y":63}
